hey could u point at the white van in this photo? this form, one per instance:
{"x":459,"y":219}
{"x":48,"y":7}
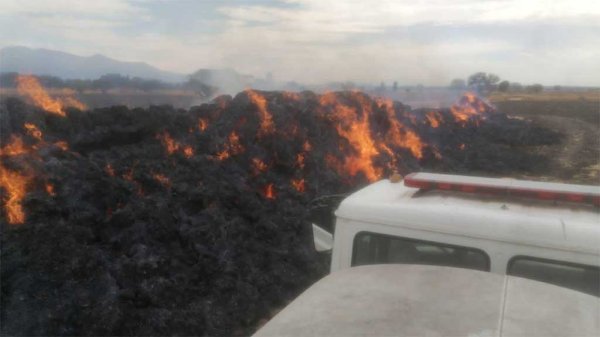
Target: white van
{"x":543,"y":231}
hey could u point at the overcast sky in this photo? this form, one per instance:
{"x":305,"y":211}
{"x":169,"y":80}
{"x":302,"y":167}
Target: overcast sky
{"x":314,"y":41}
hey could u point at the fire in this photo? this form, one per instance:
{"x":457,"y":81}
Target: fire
{"x":259,"y":165}
{"x":188,"y":152}
{"x":434,"y":118}
{"x":401,"y":136}
{"x":202,"y":124}
{"x":15,"y":147}
{"x":266,"y":119}
{"x":306,"y":146}
{"x":269,"y":191}
{"x":33,"y":131}
{"x":298,"y":184}
{"x":50,"y":189}
{"x":356,"y":130}
{"x":62,"y":144}
{"x":468,"y":106}
{"x":29,"y":86}
{"x":171,"y":145}
{"x":15,"y":185}
{"x":72,"y":102}
{"x":231,"y":147}
{"x":162,"y":179}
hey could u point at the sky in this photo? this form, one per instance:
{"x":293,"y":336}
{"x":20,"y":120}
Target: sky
{"x":316,"y":41}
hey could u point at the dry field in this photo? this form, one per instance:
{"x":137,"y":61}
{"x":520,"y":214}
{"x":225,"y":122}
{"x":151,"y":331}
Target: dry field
{"x":576,"y":115}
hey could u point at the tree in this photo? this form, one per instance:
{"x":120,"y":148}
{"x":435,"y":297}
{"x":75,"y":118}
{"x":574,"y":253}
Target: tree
{"x":535,"y":88}
{"x":458,"y":83}
{"x":516,"y":87}
{"x":483,"y":83}
{"x":503,"y":86}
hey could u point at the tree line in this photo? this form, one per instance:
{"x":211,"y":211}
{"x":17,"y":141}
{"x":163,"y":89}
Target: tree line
{"x":111,"y":81}
{"x":485,"y":83}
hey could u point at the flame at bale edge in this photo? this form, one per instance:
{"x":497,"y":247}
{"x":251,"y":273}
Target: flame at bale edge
{"x":266,"y":119}
{"x":29,"y":86}
{"x":33,"y":131}
{"x":231,"y":147}
{"x":269,"y":192}
{"x":399,"y":135}
{"x":171,"y":145}
{"x":356,"y":130}
{"x":468,"y":107}
{"x":14,"y":183}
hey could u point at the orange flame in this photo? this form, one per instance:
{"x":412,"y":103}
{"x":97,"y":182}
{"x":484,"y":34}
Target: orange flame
{"x":401,"y":136}
{"x":269,"y":191}
{"x":202,"y":124}
{"x":188,"y":152}
{"x":50,"y":189}
{"x":14,"y":183}
{"x":259,"y":165}
{"x":298,"y":184}
{"x":162,"y":179}
{"x":15,"y":147}
{"x":434,"y":119}
{"x":231,"y":147}
{"x":468,"y":106}
{"x":266,"y":119}
{"x":171,"y":145}
{"x":306,"y":146}
{"x":62,"y":144}
{"x":15,"y":186}
{"x":356,"y":130}
{"x":72,"y":102}
{"x":29,"y":86}
{"x":33,"y":131}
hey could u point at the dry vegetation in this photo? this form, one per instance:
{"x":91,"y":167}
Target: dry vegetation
{"x":576,"y":115}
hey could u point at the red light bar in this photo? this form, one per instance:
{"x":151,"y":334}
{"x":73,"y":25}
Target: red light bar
{"x":507,"y":187}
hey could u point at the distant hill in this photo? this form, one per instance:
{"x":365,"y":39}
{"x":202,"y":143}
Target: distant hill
{"x":65,"y":65}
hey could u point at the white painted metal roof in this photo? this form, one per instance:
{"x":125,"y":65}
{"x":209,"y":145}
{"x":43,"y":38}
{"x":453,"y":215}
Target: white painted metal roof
{"x":411,"y":300}
{"x":509,"y":183}
{"x":558,"y":225}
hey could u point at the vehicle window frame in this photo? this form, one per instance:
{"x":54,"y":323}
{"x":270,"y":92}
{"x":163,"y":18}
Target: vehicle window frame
{"x":488,"y":260}
{"x":512,"y":260}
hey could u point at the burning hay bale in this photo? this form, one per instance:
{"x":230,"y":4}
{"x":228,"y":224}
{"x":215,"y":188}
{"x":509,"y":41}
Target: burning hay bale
{"x":161,"y":221}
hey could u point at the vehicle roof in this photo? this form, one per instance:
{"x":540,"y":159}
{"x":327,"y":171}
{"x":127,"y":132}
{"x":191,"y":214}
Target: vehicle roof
{"x":416,"y":300}
{"x":559,"y":225}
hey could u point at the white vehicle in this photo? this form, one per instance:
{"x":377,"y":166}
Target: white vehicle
{"x":432,"y":243}
{"x":497,"y":225}
{"x":413,"y":300}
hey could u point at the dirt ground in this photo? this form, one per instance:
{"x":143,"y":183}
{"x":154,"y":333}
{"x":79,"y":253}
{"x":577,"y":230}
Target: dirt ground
{"x":577,"y":118}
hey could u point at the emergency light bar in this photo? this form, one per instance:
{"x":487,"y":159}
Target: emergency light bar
{"x":507,"y":187}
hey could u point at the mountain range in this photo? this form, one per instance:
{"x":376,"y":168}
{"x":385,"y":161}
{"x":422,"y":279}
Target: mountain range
{"x":65,"y":65}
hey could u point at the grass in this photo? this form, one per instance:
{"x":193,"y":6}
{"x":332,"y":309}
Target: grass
{"x":592,"y":95}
